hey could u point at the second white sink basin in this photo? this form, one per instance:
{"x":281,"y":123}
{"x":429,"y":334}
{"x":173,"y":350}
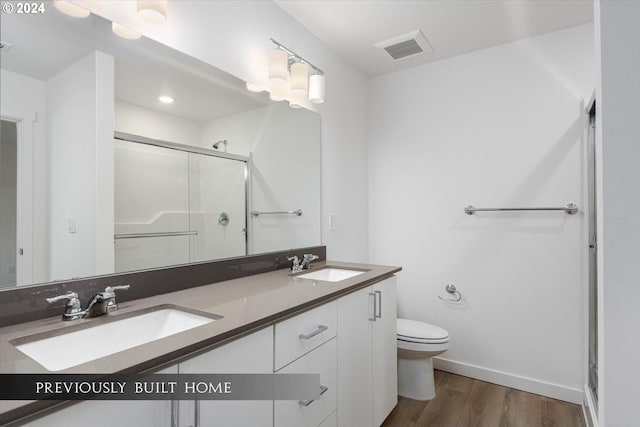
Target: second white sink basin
{"x":331,"y":274}
{"x":93,"y":342}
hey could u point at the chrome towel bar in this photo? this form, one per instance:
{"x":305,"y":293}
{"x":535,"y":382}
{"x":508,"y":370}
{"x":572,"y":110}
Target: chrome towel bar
{"x":258,"y":213}
{"x":570,"y":209}
{"x":159,"y":234}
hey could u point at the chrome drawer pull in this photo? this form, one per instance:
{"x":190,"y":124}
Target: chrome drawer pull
{"x":378,"y":315}
{"x":321,"y":328}
{"x":323,"y":390}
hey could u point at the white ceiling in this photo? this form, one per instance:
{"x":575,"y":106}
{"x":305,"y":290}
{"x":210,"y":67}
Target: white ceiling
{"x":452,"y":27}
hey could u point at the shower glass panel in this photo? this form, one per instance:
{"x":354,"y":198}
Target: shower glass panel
{"x":151,"y":206}
{"x":217,"y":188}
{"x":175,"y":206}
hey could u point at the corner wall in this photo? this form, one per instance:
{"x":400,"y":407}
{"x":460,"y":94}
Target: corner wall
{"x":81,"y":160}
{"x":618,"y":157}
{"x":499,"y":127}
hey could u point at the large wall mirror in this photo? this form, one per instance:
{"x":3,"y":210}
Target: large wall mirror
{"x":99,"y":176}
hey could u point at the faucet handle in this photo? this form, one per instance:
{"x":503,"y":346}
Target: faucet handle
{"x":73,"y":309}
{"x":295,"y":266}
{"x":71,"y":296}
{"x":110,"y":295}
{"x":116,"y":287}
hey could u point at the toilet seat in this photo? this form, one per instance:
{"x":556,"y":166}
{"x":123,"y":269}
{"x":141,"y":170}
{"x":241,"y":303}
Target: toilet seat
{"x":413,"y":331}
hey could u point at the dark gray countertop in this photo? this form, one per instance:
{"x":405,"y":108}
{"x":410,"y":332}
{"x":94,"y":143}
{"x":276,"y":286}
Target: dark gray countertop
{"x":246,"y":304}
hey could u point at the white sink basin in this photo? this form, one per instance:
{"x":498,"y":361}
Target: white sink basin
{"x":331,"y":274}
{"x":86,"y":344}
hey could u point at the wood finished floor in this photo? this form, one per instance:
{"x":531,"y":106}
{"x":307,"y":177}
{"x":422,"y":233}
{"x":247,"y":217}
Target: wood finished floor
{"x":466,"y":402}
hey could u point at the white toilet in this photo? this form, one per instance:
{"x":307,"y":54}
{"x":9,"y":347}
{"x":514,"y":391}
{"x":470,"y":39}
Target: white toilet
{"x":418,"y":342}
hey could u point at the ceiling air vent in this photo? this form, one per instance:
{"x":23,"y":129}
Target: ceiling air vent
{"x":405,"y":46}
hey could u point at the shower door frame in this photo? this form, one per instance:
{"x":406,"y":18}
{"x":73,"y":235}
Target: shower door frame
{"x":592,"y":298}
{"x":122,"y":136}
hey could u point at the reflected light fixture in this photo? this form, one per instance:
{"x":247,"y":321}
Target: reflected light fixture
{"x":305,"y":78}
{"x":71,"y":9}
{"x":252,"y":87}
{"x":124,"y":32}
{"x":316,"y":88}
{"x":153,"y":11}
{"x":277,"y":93}
{"x":165,"y":99}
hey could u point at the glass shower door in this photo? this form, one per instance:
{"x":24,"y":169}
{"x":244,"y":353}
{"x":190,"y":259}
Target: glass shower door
{"x":152,"y":223}
{"x":217,"y":194}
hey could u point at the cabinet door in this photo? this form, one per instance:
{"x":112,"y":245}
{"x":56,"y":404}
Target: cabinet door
{"x":109,"y":413}
{"x":252,"y":354}
{"x":385,"y":355}
{"x":354,"y":359}
{"x":291,"y":413}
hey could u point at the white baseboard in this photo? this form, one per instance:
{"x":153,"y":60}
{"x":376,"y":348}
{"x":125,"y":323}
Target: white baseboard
{"x":588,"y":408}
{"x":554,"y":391}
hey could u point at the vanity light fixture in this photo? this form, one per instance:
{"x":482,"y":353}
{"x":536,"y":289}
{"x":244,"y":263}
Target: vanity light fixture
{"x":165,"y":99}
{"x":299,"y":78}
{"x":124,"y":32}
{"x":71,"y":9}
{"x":153,"y":11}
{"x":284,"y":63}
{"x":278,"y":66}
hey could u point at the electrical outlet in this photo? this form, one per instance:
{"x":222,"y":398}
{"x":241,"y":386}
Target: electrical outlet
{"x":72,"y":225}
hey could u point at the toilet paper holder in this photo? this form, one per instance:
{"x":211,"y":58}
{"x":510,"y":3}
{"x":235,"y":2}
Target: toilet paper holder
{"x":454,"y":294}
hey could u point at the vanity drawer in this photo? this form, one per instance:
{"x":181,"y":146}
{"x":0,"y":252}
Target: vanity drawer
{"x":292,"y":413}
{"x":304,"y":332}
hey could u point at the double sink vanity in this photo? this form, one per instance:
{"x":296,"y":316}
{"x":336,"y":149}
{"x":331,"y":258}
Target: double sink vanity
{"x":335,"y":319}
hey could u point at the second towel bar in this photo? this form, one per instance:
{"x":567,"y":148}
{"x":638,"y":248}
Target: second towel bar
{"x":570,"y":209}
{"x":258,"y":213}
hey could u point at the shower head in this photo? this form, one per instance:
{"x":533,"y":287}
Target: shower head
{"x":217,"y":144}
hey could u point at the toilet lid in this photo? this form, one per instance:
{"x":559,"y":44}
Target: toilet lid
{"x":412,"y":330}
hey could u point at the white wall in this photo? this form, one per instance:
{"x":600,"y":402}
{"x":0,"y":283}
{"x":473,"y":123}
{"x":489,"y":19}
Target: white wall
{"x":234,"y":36}
{"x":498,"y":127}
{"x":286,"y":148}
{"x":136,"y":120}
{"x":618,"y":157}
{"x":79,"y":102}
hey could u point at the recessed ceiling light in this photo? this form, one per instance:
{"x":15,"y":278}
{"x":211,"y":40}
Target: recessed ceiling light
{"x":165,"y":99}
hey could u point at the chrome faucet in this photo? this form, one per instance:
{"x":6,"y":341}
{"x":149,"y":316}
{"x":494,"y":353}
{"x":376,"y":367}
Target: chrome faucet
{"x":102,"y":303}
{"x":295,"y":263}
{"x":307,"y":259}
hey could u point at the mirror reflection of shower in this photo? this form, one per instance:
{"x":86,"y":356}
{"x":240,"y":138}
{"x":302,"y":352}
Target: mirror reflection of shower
{"x":222,"y":141}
